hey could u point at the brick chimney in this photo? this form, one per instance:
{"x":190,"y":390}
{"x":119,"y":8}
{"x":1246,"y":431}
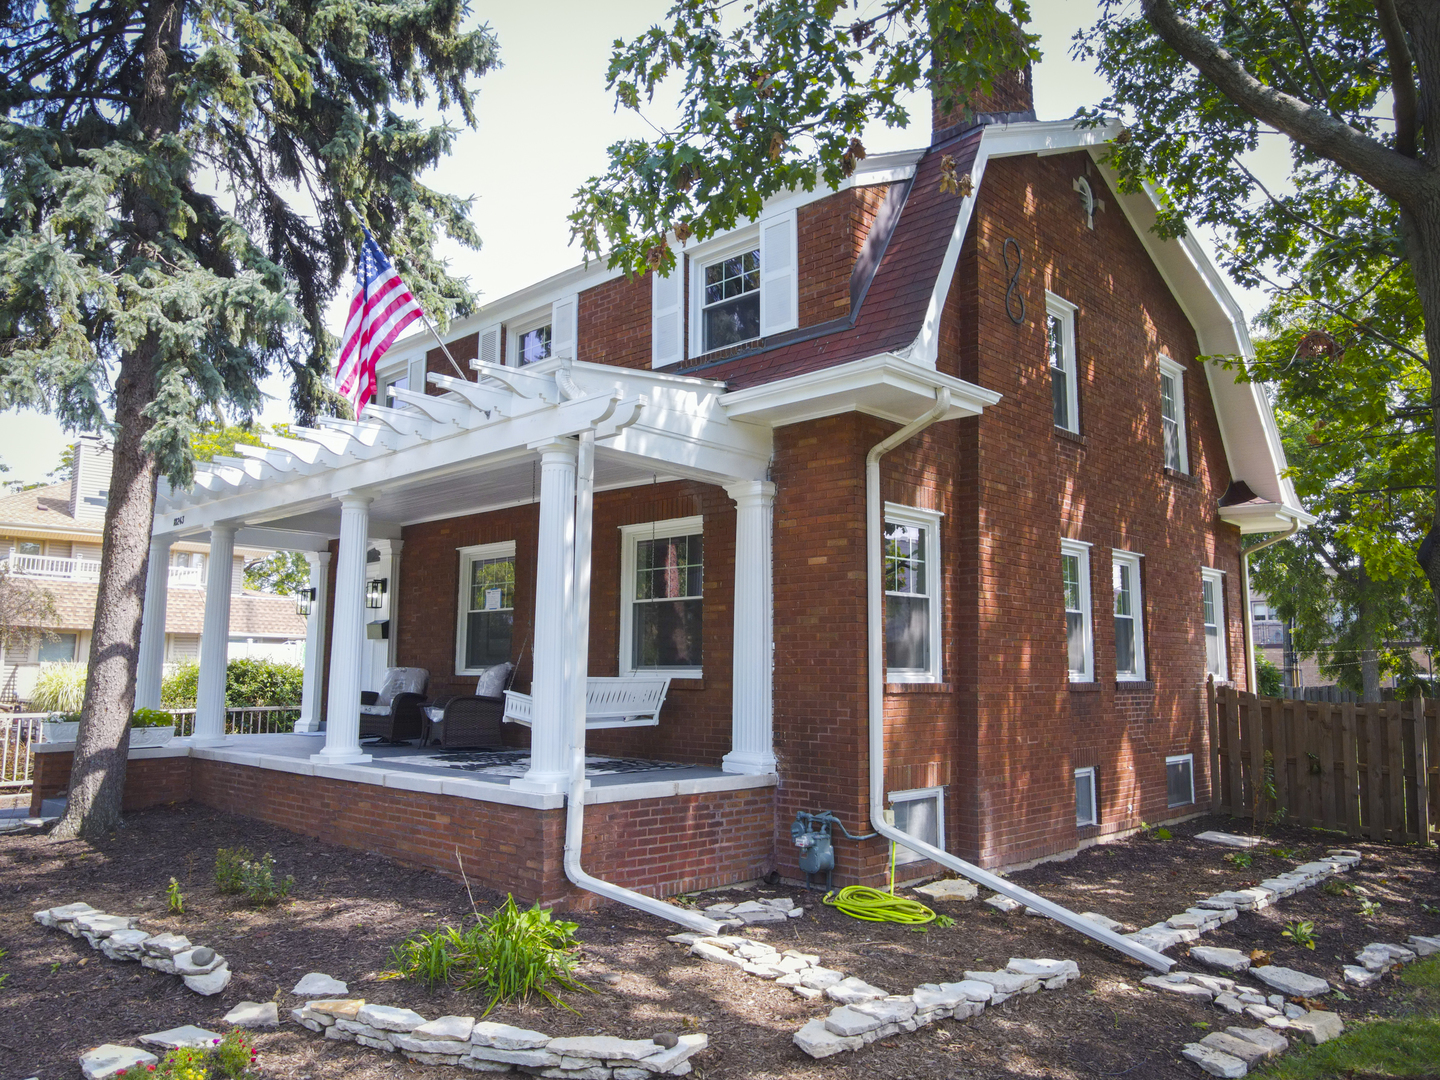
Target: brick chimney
{"x":1012,"y":99}
{"x":90,"y":481}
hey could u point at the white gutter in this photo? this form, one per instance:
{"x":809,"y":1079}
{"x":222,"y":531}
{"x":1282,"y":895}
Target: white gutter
{"x":1248,"y":629}
{"x":578,"y":668}
{"x":875,"y":609}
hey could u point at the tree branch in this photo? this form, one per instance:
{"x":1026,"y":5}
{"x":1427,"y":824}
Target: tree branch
{"x":1392,"y":174}
{"x":1402,"y":77}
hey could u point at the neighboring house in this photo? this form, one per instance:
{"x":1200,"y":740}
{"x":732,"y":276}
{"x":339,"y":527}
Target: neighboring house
{"x":1061,"y":549}
{"x":51,"y":537}
{"x":1271,"y":636}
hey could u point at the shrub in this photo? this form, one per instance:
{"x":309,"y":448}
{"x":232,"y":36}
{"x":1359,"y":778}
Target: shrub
{"x":151,"y":718}
{"x":1268,"y":675}
{"x":227,"y":868}
{"x":248,"y":682}
{"x":238,"y":871}
{"x":59,"y":688}
{"x":510,"y":954}
{"x":174,"y":898}
{"x":1302,"y":933}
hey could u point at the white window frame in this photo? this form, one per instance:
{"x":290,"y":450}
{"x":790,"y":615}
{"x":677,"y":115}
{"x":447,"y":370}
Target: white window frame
{"x":1176,"y":759}
{"x":1060,"y":308}
{"x":1176,"y":373}
{"x":749,"y":238}
{"x":467,"y":556}
{"x":1092,"y":772}
{"x":1217,"y":581}
{"x":516,"y":328}
{"x":1132,"y":560}
{"x":412,"y":370}
{"x":928,"y":520}
{"x":903,"y":854}
{"x":629,"y":536}
{"x":1080,"y":549}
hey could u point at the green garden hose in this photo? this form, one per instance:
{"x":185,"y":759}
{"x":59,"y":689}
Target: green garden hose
{"x":872,"y":905}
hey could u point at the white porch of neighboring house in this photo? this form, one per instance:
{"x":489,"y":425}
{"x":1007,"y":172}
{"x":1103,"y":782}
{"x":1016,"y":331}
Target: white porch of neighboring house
{"x":478,"y":447}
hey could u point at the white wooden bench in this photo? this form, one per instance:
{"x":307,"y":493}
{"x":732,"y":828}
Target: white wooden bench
{"x":609,"y":702}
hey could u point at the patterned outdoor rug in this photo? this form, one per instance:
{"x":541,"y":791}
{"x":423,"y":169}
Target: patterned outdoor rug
{"x":513,"y":763}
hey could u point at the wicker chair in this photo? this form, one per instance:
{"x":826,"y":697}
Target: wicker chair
{"x":394,"y":715}
{"x":470,"y":721}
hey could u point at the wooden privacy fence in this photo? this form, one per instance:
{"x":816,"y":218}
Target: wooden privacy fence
{"x":1370,"y":770}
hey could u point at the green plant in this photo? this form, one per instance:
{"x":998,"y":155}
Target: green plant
{"x":230,"y":1058}
{"x":4,"y":975}
{"x":1240,"y":859}
{"x":174,"y":898}
{"x":238,"y":871}
{"x":1369,"y":909}
{"x":59,"y":688}
{"x":249,"y":682}
{"x":1335,"y":887}
{"x":510,"y":954}
{"x":1283,"y":852}
{"x":227,"y":868}
{"x":944,"y":922}
{"x":145,"y":718}
{"x":1269,"y":675}
{"x":1301,"y":932}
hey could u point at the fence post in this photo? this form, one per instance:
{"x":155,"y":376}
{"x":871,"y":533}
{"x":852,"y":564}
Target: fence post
{"x":1422,"y":772}
{"x":1350,"y":780}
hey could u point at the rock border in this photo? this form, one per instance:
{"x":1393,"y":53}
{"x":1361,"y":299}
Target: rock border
{"x":203,"y":970}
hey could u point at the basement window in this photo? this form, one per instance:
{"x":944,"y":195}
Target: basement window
{"x":1086,"y":803}
{"x":1180,"y":780}
{"x":919,"y":813}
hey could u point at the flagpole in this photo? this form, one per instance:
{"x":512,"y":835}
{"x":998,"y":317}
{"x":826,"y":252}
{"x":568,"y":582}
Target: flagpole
{"x":423,"y":317}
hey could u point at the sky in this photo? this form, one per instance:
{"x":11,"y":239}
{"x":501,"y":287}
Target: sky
{"x":545,"y":121}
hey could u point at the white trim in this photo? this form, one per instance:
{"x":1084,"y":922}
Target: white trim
{"x":1176,"y":759}
{"x":1080,"y":550}
{"x":1176,"y":373}
{"x":629,"y":534}
{"x":1057,"y":307}
{"x":708,"y":254}
{"x":1132,"y":560}
{"x":468,"y":555}
{"x":1091,"y":771}
{"x":1216,"y":578}
{"x":516,"y":328}
{"x":929,"y":522}
{"x":937,"y":794}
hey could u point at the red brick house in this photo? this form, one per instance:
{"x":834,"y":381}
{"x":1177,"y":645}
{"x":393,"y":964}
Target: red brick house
{"x":1054,"y":547}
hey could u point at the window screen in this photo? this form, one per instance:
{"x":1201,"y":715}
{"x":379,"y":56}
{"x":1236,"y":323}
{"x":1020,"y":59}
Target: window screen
{"x":668,"y":607}
{"x":1180,"y":780}
{"x":490,"y":614}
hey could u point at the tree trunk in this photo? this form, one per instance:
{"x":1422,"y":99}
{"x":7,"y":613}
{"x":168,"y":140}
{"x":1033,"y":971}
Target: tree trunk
{"x":102,"y":747}
{"x":97,"y":775}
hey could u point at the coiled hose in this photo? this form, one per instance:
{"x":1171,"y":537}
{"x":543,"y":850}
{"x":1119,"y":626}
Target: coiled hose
{"x":872,"y":905}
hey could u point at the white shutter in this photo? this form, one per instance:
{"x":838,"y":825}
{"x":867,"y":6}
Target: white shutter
{"x":564,"y":315}
{"x":666,"y":294}
{"x":489,"y":348}
{"x":417,"y":376}
{"x":779,"y":282}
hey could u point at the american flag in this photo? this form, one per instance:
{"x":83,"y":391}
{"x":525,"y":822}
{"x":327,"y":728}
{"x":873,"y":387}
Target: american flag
{"x":379,"y":312}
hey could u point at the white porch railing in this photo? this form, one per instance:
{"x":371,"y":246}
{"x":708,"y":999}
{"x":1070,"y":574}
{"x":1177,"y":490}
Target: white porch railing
{"x":55,"y":568}
{"x":19,"y":731}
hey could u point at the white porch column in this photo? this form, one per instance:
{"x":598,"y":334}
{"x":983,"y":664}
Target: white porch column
{"x":319,"y":562}
{"x":554,"y":588}
{"x":347,"y":638}
{"x":215,"y":639}
{"x":752,"y":709}
{"x":151,"y":667}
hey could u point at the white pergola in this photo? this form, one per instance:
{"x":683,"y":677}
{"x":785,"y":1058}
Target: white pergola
{"x":478,"y":446}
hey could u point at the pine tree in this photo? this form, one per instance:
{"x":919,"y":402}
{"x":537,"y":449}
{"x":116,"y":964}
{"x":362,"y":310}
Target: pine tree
{"x":175,"y":178}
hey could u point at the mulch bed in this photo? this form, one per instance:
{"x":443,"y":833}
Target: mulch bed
{"x":349,"y":909}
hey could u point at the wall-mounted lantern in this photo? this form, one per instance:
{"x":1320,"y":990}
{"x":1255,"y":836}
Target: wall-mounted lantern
{"x":375,"y":592}
{"x":304,"y":602}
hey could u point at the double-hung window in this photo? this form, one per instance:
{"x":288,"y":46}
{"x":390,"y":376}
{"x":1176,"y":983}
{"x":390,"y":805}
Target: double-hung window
{"x":730,"y":300}
{"x":1129,"y":617}
{"x":487,"y":607}
{"x":661,"y":604}
{"x":1060,"y":345}
{"x":742,"y":288}
{"x":912,"y":594}
{"x":1172,"y":415}
{"x":531,"y":342}
{"x":1079,"y":632}
{"x":1212,"y":603}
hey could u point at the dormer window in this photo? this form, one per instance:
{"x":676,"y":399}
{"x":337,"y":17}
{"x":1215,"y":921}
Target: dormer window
{"x":532,"y":343}
{"x":730,"y":311}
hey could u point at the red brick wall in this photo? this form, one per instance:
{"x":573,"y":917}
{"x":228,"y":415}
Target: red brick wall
{"x":695,"y":722}
{"x":462,"y":350}
{"x":148,"y":781}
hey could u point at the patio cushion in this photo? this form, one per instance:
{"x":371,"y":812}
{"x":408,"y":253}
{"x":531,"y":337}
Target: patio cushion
{"x":400,"y":680}
{"x":493,"y":680}
{"x":374,"y":710}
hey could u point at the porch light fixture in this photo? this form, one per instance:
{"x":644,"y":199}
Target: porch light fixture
{"x":304,"y":601}
{"x":375,"y":592}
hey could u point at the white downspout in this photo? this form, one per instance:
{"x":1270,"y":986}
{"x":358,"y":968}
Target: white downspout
{"x":579,"y":646}
{"x":874,"y":588}
{"x":1247,"y":626}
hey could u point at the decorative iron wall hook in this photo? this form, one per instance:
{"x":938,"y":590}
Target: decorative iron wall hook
{"x":1013,"y":298}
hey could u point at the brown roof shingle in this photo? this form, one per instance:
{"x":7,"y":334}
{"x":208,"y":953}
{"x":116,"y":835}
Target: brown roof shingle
{"x":251,"y":614}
